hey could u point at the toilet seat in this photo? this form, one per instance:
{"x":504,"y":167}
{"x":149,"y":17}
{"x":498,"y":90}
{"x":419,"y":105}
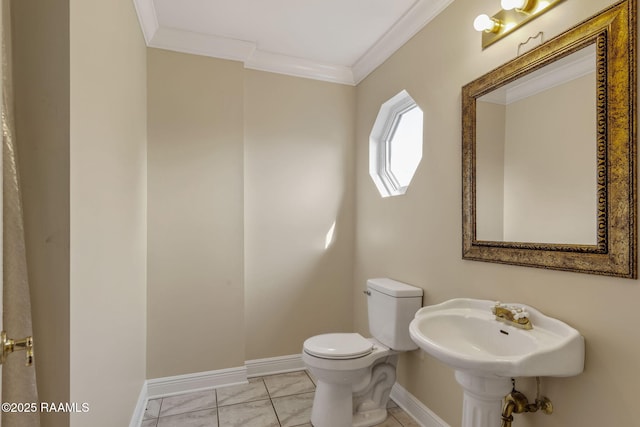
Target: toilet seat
{"x":338,"y":346}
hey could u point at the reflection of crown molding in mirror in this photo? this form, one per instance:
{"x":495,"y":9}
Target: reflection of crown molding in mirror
{"x":560,"y":72}
{"x":614,"y":34}
{"x":511,"y":20}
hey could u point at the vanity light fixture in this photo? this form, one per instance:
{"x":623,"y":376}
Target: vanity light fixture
{"x":514,"y":14}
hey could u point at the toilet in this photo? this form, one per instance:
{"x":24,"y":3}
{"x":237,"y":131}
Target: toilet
{"x":354,"y":375}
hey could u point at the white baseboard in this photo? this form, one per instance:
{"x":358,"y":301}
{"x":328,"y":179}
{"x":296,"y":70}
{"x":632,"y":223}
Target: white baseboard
{"x":141,"y":406}
{"x":274,"y":365}
{"x":167,"y":386}
{"x":412,"y":406}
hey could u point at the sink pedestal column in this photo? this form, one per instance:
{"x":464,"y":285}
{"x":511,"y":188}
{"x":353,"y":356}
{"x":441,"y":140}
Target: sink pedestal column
{"x":482,"y":404}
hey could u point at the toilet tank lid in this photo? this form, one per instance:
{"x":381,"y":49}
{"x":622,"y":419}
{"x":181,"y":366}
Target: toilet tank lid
{"x":394,"y":288}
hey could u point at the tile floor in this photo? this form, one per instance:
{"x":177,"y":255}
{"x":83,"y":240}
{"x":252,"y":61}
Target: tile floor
{"x":282,"y":400}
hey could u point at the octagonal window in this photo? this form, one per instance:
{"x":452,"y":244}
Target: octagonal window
{"x":395,"y":145}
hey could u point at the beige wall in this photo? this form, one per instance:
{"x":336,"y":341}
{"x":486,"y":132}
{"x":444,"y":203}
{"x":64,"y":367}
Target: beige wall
{"x":298,"y":183}
{"x":195,"y":290}
{"x":41,"y":89}
{"x":247,"y":172}
{"x":81,"y":131}
{"x":107,"y":210}
{"x":424,"y":248}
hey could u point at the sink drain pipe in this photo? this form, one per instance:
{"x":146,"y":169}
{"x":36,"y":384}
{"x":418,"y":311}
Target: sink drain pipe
{"x":517,"y":403}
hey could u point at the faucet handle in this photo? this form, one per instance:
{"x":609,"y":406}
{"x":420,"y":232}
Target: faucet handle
{"x":520,"y":313}
{"x":512,"y":314}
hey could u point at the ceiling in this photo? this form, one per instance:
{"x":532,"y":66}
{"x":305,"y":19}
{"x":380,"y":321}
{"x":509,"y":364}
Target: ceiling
{"x":340,"y":41}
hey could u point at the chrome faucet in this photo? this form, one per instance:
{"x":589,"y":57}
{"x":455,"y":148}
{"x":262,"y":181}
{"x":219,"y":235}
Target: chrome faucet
{"x":512,"y":315}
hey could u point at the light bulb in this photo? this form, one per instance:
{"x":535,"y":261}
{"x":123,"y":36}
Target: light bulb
{"x":484,"y":23}
{"x":518,"y":5}
{"x":512,"y":4}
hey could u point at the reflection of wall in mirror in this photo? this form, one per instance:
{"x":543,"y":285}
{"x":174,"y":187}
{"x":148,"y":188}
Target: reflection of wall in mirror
{"x":549,"y":169}
{"x":490,"y":177}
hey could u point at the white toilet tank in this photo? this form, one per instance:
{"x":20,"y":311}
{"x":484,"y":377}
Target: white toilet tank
{"x":392,"y":305}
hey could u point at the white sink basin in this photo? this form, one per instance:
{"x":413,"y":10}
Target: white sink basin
{"x":464,"y":334}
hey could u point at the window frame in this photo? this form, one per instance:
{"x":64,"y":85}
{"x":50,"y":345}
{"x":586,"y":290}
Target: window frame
{"x":380,"y":143}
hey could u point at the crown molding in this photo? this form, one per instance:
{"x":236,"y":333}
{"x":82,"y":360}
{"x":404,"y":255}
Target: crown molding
{"x":283,"y":64}
{"x":403,"y":30}
{"x":147,"y":17}
{"x":556,"y":76}
{"x":574,"y":66}
{"x":247,"y":52}
{"x":202,"y":44}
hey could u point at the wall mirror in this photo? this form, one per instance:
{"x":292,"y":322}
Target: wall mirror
{"x":548,"y":153}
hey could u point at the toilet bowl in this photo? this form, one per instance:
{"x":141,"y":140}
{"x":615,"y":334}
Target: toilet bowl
{"x":354,"y":375}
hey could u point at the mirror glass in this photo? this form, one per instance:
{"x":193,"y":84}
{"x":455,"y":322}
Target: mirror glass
{"x":536,"y":161}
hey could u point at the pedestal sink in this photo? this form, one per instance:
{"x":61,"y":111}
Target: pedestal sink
{"x":486,"y":353}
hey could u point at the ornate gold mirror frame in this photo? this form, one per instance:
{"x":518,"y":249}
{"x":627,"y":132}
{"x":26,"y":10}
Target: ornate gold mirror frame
{"x":613,"y":32}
